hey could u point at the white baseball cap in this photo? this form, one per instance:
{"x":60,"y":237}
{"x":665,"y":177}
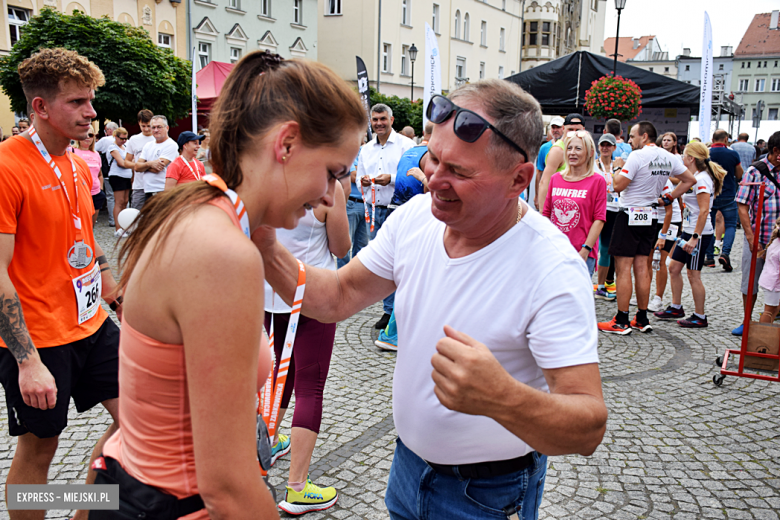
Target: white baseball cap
{"x":557,"y":121}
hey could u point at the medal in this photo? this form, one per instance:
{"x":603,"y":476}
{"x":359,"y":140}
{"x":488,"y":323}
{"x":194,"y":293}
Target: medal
{"x":80,"y":255}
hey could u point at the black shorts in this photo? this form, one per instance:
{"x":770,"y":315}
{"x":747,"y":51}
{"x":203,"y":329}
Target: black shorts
{"x":99,"y":200}
{"x":693,"y":261}
{"x":120,"y":183}
{"x":86,"y":370}
{"x":631,"y":241}
{"x":669,"y":244}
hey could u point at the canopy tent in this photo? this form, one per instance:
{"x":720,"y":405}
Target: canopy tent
{"x":560,"y":85}
{"x":210,"y":80}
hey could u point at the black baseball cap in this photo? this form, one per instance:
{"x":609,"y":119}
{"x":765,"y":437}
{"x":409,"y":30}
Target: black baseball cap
{"x":574,"y":119}
{"x":186,"y":137}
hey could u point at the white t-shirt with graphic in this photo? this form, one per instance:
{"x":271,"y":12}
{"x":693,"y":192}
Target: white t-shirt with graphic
{"x":134,"y":146}
{"x":648,"y":169}
{"x":168,"y":149}
{"x":703,"y":184}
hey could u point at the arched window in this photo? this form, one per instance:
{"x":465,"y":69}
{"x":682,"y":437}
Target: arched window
{"x":466,"y":26}
{"x":457,"y":23}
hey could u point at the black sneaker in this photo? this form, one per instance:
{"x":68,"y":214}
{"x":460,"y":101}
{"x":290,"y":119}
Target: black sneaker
{"x":670,"y":313}
{"x":709,"y":262}
{"x":383,"y":321}
{"x":694,"y":322}
{"x":725,"y":261}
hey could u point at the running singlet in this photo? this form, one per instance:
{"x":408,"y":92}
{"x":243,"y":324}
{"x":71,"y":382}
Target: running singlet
{"x":34,"y":209}
{"x":560,"y":144}
{"x":158,"y":449}
{"x":703,"y":185}
{"x":613,"y":203}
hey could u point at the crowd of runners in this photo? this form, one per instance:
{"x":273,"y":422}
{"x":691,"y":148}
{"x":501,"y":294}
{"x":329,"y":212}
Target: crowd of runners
{"x":290,"y":196}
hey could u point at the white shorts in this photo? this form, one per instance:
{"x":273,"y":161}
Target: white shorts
{"x":771,"y":298}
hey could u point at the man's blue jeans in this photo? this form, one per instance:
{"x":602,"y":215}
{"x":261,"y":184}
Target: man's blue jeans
{"x":416,"y":492}
{"x":358,"y":230}
{"x":729,"y":210}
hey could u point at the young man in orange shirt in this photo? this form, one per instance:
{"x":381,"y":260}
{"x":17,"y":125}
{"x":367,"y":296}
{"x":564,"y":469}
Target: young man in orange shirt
{"x":57,"y":341}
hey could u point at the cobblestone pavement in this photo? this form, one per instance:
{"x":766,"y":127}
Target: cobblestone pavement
{"x":676,"y":445}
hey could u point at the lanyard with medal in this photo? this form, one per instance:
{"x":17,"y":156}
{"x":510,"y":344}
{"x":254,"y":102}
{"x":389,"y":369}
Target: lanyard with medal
{"x":373,"y":204}
{"x":195,"y":172}
{"x":269,"y":398}
{"x":80,"y":255}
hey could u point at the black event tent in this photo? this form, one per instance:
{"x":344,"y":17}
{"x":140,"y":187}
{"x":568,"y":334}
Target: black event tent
{"x":560,"y":85}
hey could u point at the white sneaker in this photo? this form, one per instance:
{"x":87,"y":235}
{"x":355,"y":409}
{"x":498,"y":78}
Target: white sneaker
{"x":633,"y":301}
{"x":118,"y":233}
{"x":656,"y":304}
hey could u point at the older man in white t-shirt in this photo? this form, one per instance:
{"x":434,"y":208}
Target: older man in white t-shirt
{"x":488,"y":378}
{"x":156,"y":156}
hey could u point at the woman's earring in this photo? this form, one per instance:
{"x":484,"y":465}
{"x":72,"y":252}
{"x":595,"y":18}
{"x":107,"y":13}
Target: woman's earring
{"x":284,"y":157}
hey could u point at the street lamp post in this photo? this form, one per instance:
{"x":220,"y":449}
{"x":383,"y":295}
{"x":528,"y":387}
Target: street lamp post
{"x":412,"y":57}
{"x":619,"y":5}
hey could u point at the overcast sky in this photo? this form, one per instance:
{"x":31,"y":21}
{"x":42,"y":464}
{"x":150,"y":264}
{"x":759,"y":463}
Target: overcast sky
{"x":680,"y":23}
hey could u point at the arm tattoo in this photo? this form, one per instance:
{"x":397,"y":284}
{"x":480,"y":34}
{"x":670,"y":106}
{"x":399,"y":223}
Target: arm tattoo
{"x":13,"y":329}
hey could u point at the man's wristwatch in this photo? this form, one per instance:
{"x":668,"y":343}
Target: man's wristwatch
{"x":667,"y":199}
{"x":586,"y":246}
{"x":695,"y":235}
{"x":116,"y":303}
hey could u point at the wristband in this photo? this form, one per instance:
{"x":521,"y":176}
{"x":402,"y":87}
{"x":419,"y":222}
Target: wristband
{"x":586,"y":246}
{"x":661,"y":235}
{"x":667,"y":199}
{"x":116,"y":303}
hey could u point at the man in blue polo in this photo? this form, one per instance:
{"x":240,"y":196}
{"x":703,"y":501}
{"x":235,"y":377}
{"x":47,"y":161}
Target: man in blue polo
{"x":409,"y":182}
{"x":725,"y":203}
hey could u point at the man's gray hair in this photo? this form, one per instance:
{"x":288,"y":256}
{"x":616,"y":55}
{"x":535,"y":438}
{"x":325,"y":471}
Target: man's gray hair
{"x":110,"y":127}
{"x":163,"y":118}
{"x":381,"y":107}
{"x":515,"y":113}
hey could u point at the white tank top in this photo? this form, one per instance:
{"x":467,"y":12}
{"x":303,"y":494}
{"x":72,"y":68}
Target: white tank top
{"x":308,"y":242}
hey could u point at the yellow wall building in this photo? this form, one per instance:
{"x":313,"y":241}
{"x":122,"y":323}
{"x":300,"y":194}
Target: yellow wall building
{"x":165,"y":20}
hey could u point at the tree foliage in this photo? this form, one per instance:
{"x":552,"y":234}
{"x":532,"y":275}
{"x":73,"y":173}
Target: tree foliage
{"x":138,"y":73}
{"x":405,"y":112}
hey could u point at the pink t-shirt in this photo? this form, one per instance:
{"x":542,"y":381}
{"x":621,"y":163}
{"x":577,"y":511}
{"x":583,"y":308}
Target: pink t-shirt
{"x":574,"y":206}
{"x":93,"y":161}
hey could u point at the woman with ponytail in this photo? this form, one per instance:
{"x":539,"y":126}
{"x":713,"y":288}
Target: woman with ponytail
{"x":697,"y":234}
{"x":193,"y":353}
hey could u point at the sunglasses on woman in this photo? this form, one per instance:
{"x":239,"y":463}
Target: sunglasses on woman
{"x":90,"y":135}
{"x":468,"y":126}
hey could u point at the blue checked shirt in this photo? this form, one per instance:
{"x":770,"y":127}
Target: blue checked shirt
{"x":748,"y":195}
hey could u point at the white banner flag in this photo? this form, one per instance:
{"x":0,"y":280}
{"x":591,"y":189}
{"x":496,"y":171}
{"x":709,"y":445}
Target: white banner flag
{"x":705,"y":103}
{"x":432,"y":69}
{"x":194,"y":93}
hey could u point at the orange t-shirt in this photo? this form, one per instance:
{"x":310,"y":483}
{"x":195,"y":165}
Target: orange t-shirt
{"x":183,"y":173}
{"x":33,"y":208}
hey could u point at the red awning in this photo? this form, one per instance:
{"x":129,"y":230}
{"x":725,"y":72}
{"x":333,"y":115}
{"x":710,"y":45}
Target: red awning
{"x":210,"y":80}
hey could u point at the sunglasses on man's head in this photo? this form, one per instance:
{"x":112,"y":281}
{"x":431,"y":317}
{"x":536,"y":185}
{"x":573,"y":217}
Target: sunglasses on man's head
{"x":468,"y":126}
